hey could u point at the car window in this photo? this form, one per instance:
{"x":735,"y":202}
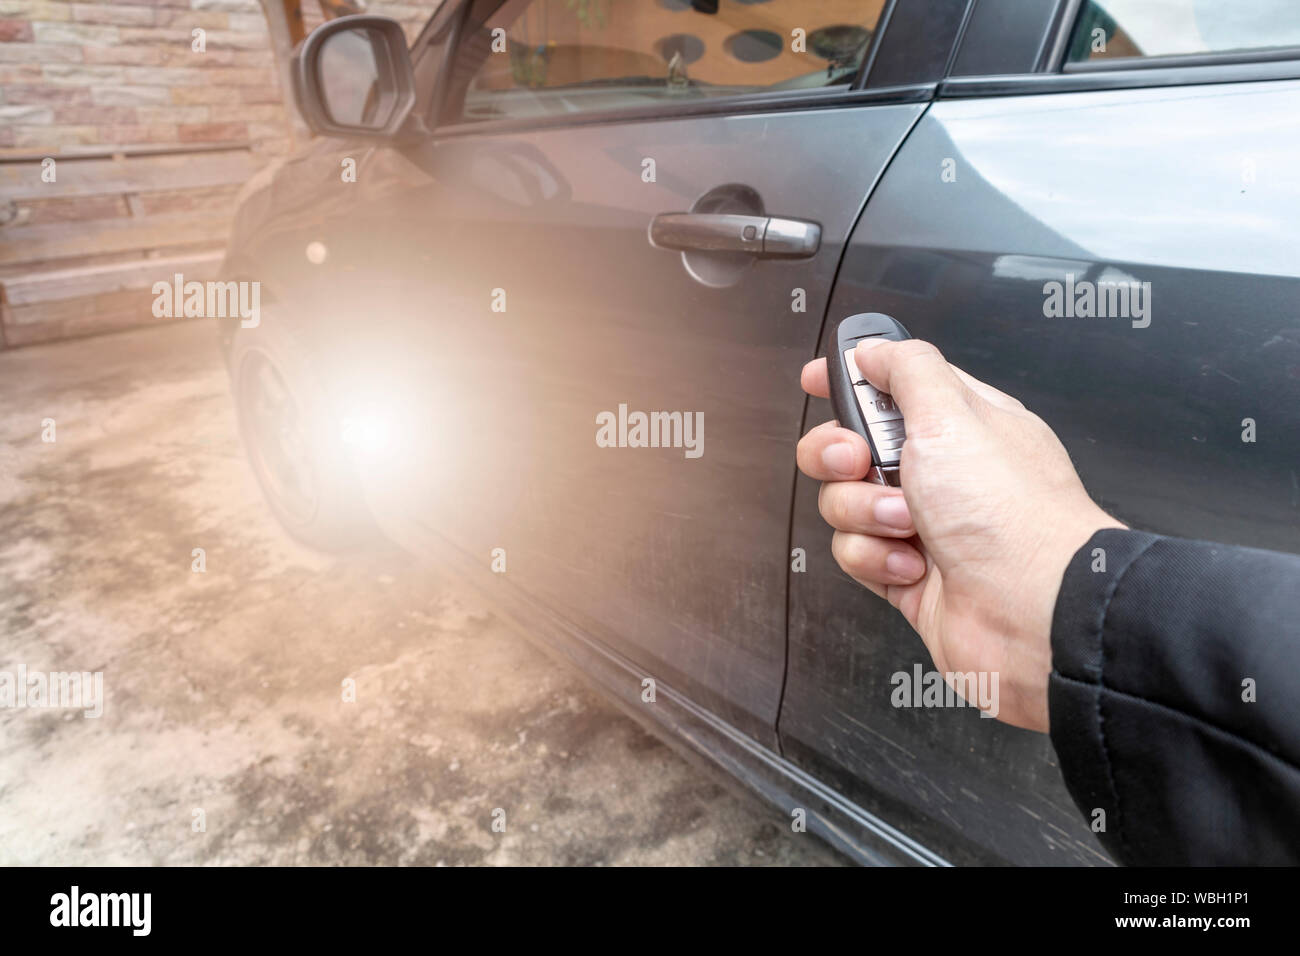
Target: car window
{"x":537,"y":58}
{"x":1122,"y":29}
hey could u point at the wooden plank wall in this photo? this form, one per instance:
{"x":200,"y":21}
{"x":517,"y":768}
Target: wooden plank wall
{"x":79,"y":255}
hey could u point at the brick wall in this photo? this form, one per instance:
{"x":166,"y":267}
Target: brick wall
{"x":75,"y":76}
{"x":123,"y":149}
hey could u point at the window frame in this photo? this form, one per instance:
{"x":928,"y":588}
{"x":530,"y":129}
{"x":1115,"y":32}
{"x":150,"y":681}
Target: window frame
{"x":1053,"y":75}
{"x":1248,"y":55}
{"x":859,"y":92}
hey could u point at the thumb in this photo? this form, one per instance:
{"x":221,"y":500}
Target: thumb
{"x":917,"y":375}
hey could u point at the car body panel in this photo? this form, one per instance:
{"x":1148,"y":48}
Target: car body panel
{"x":676,"y":561}
{"x":1189,"y":189}
{"x":641,"y":563}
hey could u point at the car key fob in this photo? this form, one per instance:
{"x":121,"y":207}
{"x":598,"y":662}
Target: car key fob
{"x":858,"y":404}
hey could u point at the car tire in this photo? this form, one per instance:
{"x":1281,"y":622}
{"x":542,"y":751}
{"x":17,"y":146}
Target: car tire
{"x":293,"y":439}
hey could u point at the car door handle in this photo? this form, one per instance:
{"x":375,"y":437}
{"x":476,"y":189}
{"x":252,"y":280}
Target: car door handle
{"x":766,"y":237}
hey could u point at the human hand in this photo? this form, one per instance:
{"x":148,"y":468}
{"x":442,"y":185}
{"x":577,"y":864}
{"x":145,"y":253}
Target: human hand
{"x":973,"y":547}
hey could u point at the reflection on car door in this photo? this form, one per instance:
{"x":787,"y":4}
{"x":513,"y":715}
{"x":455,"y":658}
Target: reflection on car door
{"x":1186,"y":196}
{"x":537,"y":254}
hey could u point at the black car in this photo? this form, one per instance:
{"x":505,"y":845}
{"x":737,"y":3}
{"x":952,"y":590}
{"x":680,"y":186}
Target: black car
{"x":536,"y":303}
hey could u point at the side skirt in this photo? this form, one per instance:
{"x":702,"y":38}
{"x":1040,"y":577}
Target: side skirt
{"x":697,"y":734}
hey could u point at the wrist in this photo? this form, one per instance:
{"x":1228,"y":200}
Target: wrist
{"x":1072,"y":538}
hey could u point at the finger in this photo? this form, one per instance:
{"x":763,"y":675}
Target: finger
{"x":879,"y":590}
{"x":916,"y":374}
{"x":832,"y":453}
{"x":815,"y":379}
{"x":865,"y":508}
{"x":907,"y":599}
{"x":871,"y":560}
{"x":987,"y":392}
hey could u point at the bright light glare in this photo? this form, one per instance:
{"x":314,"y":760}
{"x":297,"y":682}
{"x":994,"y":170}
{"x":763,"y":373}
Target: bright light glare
{"x":369,"y":433}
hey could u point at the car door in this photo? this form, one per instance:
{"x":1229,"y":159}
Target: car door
{"x":1126,"y":150}
{"x":627,"y":410}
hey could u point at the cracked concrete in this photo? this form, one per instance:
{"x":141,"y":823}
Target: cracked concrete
{"x":223,"y":689}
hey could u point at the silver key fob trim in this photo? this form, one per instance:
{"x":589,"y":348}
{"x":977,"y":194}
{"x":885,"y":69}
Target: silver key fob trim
{"x":859,"y":405}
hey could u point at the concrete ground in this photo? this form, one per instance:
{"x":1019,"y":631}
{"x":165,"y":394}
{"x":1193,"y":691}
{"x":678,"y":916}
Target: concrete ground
{"x":224,"y":738}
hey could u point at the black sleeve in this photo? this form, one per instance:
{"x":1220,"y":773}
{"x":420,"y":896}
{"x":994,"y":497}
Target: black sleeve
{"x":1174,"y":698}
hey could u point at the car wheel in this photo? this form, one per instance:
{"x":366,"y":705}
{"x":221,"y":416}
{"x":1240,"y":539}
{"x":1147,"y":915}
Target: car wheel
{"x":293,"y":438}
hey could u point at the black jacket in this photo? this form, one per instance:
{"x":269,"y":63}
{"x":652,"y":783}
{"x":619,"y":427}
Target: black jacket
{"x":1175,"y":698}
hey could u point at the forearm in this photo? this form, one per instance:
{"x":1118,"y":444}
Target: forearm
{"x":1175,"y":698}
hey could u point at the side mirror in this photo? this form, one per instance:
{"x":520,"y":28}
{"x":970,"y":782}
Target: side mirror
{"x":352,"y":77}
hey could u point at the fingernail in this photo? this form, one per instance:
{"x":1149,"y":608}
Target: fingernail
{"x":905,"y":565}
{"x":839,"y":458}
{"x":892,"y":512}
{"x":870,"y":343}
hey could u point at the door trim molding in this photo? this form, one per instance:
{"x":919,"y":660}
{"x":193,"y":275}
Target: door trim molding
{"x":692,"y":731}
{"x":1029,"y":84}
{"x":722,"y":106}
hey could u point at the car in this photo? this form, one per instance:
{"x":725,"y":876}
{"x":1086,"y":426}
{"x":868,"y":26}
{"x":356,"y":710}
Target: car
{"x":536,"y":300}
